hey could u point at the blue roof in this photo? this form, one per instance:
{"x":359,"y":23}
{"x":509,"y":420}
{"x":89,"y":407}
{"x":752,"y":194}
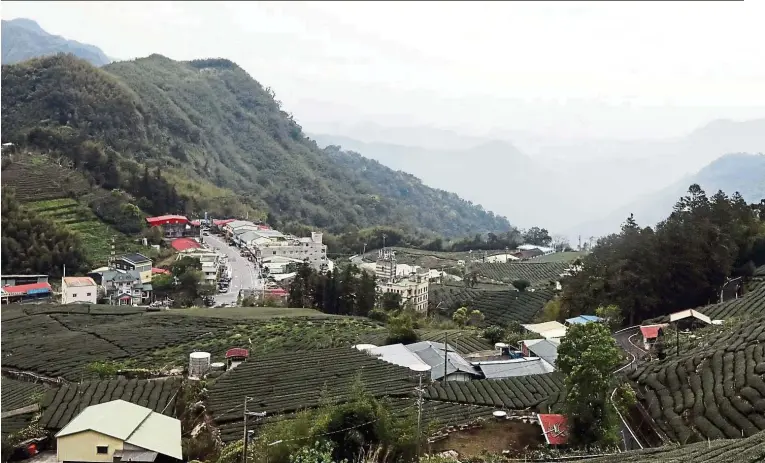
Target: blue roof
{"x":582,"y":319}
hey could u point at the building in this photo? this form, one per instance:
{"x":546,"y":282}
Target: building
{"x":123,"y":287}
{"x":413,"y":287}
{"x":279,"y":264}
{"x":583,"y":319}
{"x":211,"y":261}
{"x":137,"y":262}
{"x":173,"y":226}
{"x":17,"y":280}
{"x":79,"y":290}
{"x":426,"y":353}
{"x":182,"y":244}
{"x":236,"y":356}
{"x":33,"y":292}
{"x":308,"y":249}
{"x":689,"y":319}
{"x":500,"y":369}
{"x":554,"y":429}
{"x":119,"y":431}
{"x":545,"y":349}
{"x":530,"y":247}
{"x":651,"y":334}
{"x":547,"y":329}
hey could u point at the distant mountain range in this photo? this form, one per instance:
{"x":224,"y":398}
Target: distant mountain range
{"x":23,"y":39}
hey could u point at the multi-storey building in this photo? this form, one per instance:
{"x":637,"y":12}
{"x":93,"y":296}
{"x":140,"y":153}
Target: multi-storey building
{"x":412,"y":287}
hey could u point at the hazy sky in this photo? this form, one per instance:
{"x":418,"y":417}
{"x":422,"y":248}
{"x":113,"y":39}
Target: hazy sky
{"x":602,"y":69}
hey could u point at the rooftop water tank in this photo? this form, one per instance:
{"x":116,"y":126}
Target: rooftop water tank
{"x":199,"y":364}
{"x":218,"y":366}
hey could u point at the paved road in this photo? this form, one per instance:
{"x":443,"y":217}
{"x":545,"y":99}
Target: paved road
{"x":243,"y":274}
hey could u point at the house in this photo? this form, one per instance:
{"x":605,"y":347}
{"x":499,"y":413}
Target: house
{"x":411,"y":284}
{"x":236,"y":356}
{"x":33,"y":292}
{"x":531,"y":247}
{"x":650,"y":334}
{"x":279,"y":264}
{"x":124,"y":287}
{"x":182,"y":244}
{"x":583,"y":319}
{"x":137,"y":262}
{"x":426,"y":353}
{"x":546,"y":349}
{"x":554,"y":428}
{"x":78,"y":290}
{"x":547,"y":329}
{"x":17,"y":280}
{"x":689,"y":319}
{"x":500,"y":369}
{"x":119,"y":431}
{"x":173,"y":226}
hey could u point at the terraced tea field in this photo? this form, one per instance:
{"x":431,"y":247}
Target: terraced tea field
{"x":19,"y":394}
{"x":749,"y":450}
{"x":77,"y":217}
{"x":538,"y":274}
{"x":715,"y":389}
{"x":463,"y":341}
{"x":750,"y":304}
{"x":287,"y":382}
{"x":62,"y":404}
{"x":68,"y":338}
{"x":498,"y":307}
{"x":516,"y":393}
{"x":37,"y":178}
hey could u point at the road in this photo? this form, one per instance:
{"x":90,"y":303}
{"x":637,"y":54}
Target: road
{"x":243,"y":273}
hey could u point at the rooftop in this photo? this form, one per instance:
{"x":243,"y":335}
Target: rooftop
{"x":136,"y":258}
{"x":651,"y":331}
{"x":515,"y":367}
{"x":164,"y":219}
{"x":432,"y":353}
{"x":548,"y":329}
{"x":582,"y":319}
{"x":182,"y":244}
{"x":554,"y":428}
{"x":396,"y":354}
{"x":73,"y":282}
{"x":20,"y":290}
{"x":546,"y":349}
{"x":689,"y":314}
{"x":136,"y":425}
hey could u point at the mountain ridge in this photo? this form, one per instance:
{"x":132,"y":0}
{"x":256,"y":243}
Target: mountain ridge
{"x":207,"y":124}
{"x":24,"y":39}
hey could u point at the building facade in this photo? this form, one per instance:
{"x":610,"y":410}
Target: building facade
{"x":137,"y":262}
{"x":309,"y":249}
{"x":78,"y":290}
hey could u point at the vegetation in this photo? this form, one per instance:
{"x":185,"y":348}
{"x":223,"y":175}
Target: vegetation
{"x":62,"y":404}
{"x":344,"y":292}
{"x":587,"y":356}
{"x":183,"y":136}
{"x":32,"y":244}
{"x":535,"y":274}
{"x":516,"y":393}
{"x":681,"y":264}
{"x":713,"y":388}
{"x":751,"y":304}
{"x":498,"y":307}
{"x":19,"y":394}
{"x":185,"y":285}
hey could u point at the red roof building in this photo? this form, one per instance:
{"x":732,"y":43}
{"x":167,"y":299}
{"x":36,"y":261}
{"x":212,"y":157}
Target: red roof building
{"x":222,"y":221}
{"x":196,"y":223}
{"x":554,"y":428}
{"x":651,"y":331}
{"x":182,"y":244}
{"x":237,"y":352}
{"x":159,"y":271}
{"x":23,"y":290}
{"x":166,"y":220}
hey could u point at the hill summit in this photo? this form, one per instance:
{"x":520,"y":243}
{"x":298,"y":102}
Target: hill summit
{"x":24,"y":39}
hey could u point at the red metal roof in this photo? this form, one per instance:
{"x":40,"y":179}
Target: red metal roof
{"x":160,"y":270}
{"x":277,"y":291}
{"x":181,"y":244}
{"x":196,"y":223}
{"x":651,"y":331}
{"x":24,"y":289}
{"x":237,"y":352}
{"x":222,"y":221}
{"x":554,"y":428}
{"x":166,"y":219}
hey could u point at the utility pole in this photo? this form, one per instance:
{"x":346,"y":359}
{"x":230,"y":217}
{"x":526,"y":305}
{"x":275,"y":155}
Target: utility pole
{"x":421,"y":369}
{"x":446,"y":352}
{"x":246,"y":436}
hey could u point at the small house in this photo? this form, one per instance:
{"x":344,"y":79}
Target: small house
{"x":554,"y":429}
{"x":33,"y":292}
{"x":650,"y":334}
{"x":76,"y":290}
{"x":119,"y":431}
{"x":236,"y":356}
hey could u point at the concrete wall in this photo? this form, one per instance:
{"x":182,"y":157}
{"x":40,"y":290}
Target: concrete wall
{"x":81,"y":447}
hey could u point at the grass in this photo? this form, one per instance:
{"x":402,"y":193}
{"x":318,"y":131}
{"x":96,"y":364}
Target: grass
{"x":79,"y":218}
{"x":248,"y":313}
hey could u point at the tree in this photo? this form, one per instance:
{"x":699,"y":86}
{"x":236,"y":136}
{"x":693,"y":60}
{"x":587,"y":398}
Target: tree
{"x":461,"y":317}
{"x":521,"y":285}
{"x":476,"y":317}
{"x":537,"y":236}
{"x":587,"y":357}
{"x":401,"y":330}
{"x":493,"y":334}
{"x":390,"y":301}
{"x":612,"y":315}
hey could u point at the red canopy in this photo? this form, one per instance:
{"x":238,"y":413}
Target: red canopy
{"x":554,"y":428}
{"x":237,"y":352}
{"x":651,"y":331}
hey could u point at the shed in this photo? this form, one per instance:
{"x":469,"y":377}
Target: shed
{"x":108,"y":430}
{"x":689,"y":319}
{"x":547,"y":329}
{"x":432,"y":353}
{"x":554,"y":428}
{"x":236,"y":356}
{"x":396,"y":354}
{"x":546,"y":349}
{"x":650,"y":333}
{"x":500,"y":369}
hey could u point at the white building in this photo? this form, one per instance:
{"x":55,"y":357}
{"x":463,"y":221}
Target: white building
{"x":411,"y":283}
{"x":312,"y":249}
{"x":78,"y":290}
{"x":211,"y":262}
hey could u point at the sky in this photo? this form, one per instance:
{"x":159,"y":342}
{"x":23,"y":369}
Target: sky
{"x":563,"y":69}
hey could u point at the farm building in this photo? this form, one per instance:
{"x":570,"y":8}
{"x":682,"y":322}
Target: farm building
{"x":689,"y":319}
{"x":545,"y":349}
{"x":26,"y":293}
{"x":173,"y":226}
{"x":426,"y":353}
{"x":554,"y":429}
{"x":583,"y":319}
{"x":500,"y":369}
{"x":119,"y":431}
{"x":137,"y":262}
{"x":650,"y":334}
{"x":17,"y":280}
{"x":78,"y":290}
{"x":547,"y":329}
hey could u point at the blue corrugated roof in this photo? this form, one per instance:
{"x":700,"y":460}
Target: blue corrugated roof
{"x":582,"y":319}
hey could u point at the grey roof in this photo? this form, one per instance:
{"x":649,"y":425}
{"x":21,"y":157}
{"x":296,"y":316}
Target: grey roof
{"x":546,"y":349}
{"x":135,"y":455}
{"x":135,"y":258}
{"x":515,"y":367}
{"x":432,"y":353}
{"x":249,"y":235}
{"x":120,"y":276}
{"x":397,"y":354}
{"x":131,"y":423}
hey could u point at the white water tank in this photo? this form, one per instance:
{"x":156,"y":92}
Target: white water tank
{"x":218,"y":366}
{"x":199,"y":364}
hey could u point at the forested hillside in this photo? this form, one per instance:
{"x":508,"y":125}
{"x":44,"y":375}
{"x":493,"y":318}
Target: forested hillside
{"x":203,"y":135}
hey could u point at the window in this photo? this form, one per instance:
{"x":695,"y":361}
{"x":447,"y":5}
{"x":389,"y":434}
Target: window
{"x":102,"y":449}
{"x":89,"y":294}
{"x":74,"y":294}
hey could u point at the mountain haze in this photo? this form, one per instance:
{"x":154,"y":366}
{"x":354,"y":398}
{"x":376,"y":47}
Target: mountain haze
{"x":222,"y":139}
{"x":24,"y":39}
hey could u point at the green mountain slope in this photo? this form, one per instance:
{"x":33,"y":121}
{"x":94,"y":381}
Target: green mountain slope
{"x":24,"y":39}
{"x":220,"y":139}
